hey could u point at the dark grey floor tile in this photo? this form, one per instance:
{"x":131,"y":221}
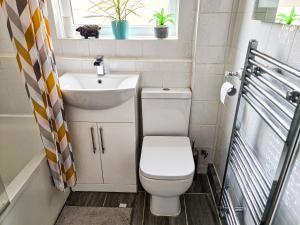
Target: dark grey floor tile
{"x":140,"y":187}
{"x":138,"y":210}
{"x":90,"y":199}
{"x":200,"y":184}
{"x":150,"y":219}
{"x":201,"y":210}
{"x":114,"y":199}
{"x":214,"y":182}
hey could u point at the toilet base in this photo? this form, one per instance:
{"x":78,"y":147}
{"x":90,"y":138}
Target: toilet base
{"x":165,"y":206}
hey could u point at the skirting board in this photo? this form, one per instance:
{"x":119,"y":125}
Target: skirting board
{"x":131,"y":188}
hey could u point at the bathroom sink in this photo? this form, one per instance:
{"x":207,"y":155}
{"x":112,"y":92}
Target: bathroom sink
{"x":89,"y":91}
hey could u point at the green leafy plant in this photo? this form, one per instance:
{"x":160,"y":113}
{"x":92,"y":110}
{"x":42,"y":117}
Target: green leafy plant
{"x":288,"y":19}
{"x":115,"y":9}
{"x":161,"y":18}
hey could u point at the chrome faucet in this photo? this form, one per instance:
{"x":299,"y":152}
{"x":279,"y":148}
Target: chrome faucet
{"x":99,"y":63}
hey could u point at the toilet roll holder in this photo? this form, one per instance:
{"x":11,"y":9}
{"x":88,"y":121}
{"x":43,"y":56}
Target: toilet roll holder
{"x":229,"y":75}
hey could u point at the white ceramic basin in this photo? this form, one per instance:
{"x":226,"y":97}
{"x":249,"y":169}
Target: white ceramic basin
{"x":89,"y":91}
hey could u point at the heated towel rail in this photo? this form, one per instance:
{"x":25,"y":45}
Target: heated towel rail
{"x":272,"y":89}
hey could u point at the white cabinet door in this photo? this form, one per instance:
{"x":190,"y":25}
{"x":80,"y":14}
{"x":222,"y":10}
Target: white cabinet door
{"x":117,"y":144}
{"x":84,"y":139}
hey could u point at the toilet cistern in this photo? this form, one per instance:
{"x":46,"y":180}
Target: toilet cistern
{"x":99,"y":63}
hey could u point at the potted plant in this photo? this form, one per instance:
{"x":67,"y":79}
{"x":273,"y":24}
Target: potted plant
{"x":290,"y":19}
{"x":289,"y":25}
{"x":162,"y":30}
{"x":117,"y":11}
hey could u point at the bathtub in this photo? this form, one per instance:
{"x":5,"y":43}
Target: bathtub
{"x":27,"y":178}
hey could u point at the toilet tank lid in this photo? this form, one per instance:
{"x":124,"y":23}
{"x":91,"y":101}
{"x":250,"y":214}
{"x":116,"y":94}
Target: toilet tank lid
{"x":166,"y":93}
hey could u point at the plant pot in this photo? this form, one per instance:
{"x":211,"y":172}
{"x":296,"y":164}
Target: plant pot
{"x":161,"y":32}
{"x":120,"y":29}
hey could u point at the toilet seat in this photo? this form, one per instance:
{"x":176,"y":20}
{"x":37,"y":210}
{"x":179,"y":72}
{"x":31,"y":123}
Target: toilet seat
{"x":167,"y":158}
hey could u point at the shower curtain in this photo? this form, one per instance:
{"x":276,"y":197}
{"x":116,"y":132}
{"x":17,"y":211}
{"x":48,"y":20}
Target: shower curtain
{"x":28,"y":27}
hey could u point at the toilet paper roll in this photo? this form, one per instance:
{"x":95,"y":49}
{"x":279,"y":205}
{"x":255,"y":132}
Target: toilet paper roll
{"x":226,"y":87}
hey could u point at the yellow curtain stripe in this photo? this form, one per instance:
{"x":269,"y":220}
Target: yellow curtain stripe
{"x":50,"y":82}
{"x":36,"y":20}
{"x":51,"y":156}
{"x":23,"y":52}
{"x":19,"y":62}
{"x":61,"y":132}
{"x":29,"y":36}
{"x":70,"y":173}
{"x":47,"y":26}
{"x":39,"y":109}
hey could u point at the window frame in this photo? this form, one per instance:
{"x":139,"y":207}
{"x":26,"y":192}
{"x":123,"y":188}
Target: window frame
{"x":65,"y":8}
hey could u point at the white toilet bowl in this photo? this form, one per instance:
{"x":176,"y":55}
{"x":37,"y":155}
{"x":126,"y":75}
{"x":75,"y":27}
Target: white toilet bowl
{"x":166,"y":171}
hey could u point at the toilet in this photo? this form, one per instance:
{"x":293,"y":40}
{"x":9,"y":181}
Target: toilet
{"x":166,"y":166}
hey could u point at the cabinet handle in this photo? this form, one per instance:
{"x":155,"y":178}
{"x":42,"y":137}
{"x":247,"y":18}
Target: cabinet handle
{"x":101,"y":139}
{"x":93,"y":142}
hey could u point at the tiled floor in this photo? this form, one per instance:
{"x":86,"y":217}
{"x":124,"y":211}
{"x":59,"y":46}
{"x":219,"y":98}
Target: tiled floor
{"x":197,"y":205}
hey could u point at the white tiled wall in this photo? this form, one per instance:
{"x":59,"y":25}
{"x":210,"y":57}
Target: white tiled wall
{"x":223,"y":30}
{"x":211,"y":45}
{"x":13,"y":96}
{"x":258,"y":135}
{"x":267,"y":35}
{"x":168,"y":63}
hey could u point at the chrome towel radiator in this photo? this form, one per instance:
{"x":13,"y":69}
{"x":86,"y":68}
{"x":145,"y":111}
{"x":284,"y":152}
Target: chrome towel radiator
{"x":265,"y":87}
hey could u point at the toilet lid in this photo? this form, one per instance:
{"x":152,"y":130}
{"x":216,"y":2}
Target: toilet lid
{"x":168,"y":158}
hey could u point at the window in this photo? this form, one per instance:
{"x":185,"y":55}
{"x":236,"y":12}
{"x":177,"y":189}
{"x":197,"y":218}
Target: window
{"x":87,"y":12}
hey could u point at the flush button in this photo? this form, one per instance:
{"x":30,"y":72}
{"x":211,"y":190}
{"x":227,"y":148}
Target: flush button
{"x":166,"y":89}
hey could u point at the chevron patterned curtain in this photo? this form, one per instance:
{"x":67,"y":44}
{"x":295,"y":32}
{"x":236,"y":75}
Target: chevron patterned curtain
{"x":28,"y":27}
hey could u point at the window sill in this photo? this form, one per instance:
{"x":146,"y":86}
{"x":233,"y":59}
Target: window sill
{"x":130,"y":38}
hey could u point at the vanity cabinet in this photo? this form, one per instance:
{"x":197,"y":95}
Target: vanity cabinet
{"x":118,"y":159}
{"x":104,"y":155}
{"x":87,"y":157}
{"x":102,"y":116}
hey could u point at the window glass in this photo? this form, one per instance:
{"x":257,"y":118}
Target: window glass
{"x":88,"y":12}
